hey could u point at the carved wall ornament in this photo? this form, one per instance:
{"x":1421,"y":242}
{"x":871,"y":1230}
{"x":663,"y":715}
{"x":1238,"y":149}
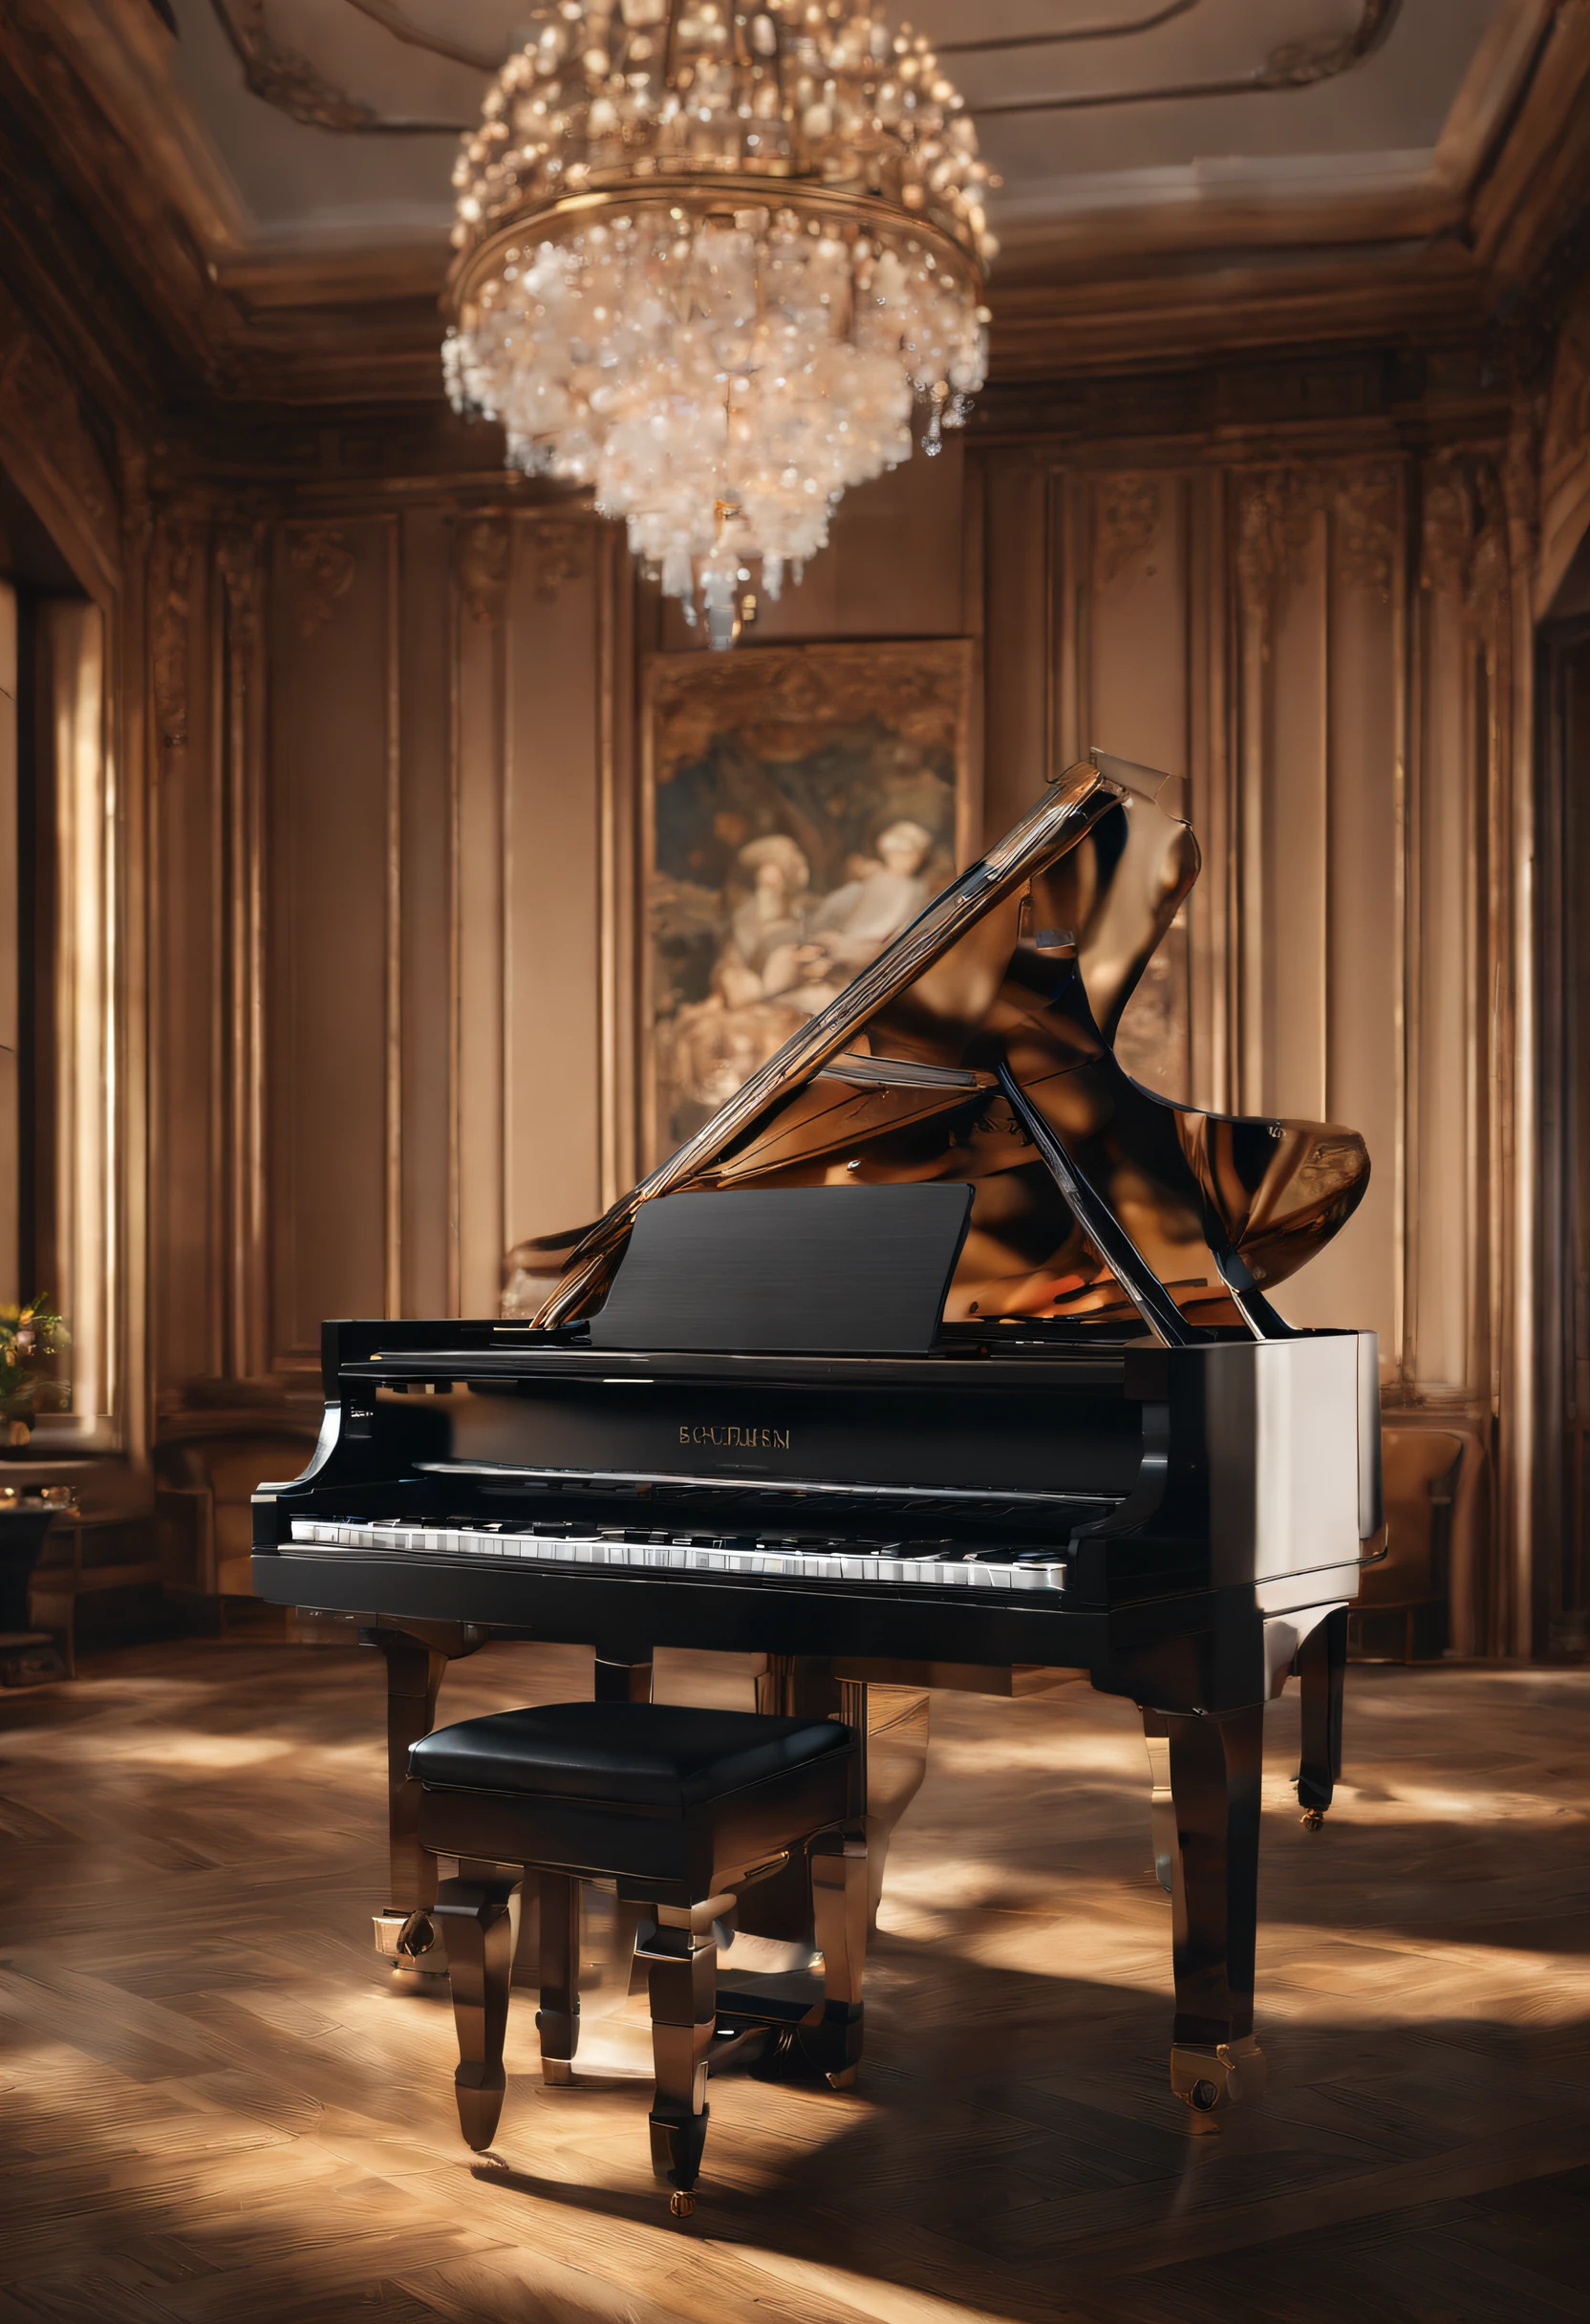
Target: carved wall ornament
{"x":1464,"y":545}
{"x":170,"y":565}
{"x":1275,"y":515}
{"x":1366,"y":515}
{"x":1127,"y":514}
{"x":481,"y":567}
{"x":1296,"y":64}
{"x":1276,"y":512}
{"x":327,"y":565}
{"x":39,"y":404}
{"x":284,"y":76}
{"x":1567,"y":437}
{"x":1522,"y":469}
{"x":559,"y":557}
{"x":237,"y":560}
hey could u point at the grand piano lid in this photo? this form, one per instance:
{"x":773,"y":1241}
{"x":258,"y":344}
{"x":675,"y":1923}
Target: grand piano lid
{"x":976,"y":1047}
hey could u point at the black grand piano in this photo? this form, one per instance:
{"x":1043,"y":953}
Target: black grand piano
{"x":941,"y":1355}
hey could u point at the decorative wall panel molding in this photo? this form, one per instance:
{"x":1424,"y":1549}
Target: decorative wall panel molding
{"x":328,"y":566}
{"x":482,"y":564}
{"x":1324,"y":644}
{"x":1126,"y":519}
{"x":171,"y":622}
{"x":562,"y":554}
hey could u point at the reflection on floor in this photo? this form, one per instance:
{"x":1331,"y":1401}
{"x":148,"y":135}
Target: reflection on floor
{"x":213,"y":2104}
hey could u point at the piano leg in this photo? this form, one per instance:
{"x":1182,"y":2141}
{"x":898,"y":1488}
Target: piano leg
{"x":479,"y":1913}
{"x":1161,"y":1813}
{"x":405,"y":1934}
{"x":558,"y":2018}
{"x":1321,"y":1675}
{"x":1215,"y":1764}
{"x":839,"y":1914}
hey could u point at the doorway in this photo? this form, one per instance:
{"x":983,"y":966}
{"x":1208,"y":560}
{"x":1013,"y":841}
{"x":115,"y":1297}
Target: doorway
{"x":1561,"y":1624}
{"x":51,"y":873}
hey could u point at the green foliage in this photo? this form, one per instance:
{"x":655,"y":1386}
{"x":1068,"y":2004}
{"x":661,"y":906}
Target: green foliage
{"x":30,"y":1337}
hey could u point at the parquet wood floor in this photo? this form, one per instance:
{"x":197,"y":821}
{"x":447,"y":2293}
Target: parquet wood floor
{"x":215,"y":2108}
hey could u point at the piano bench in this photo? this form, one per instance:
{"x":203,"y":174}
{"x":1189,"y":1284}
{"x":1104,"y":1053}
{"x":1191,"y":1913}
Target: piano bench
{"x":682,"y":1808}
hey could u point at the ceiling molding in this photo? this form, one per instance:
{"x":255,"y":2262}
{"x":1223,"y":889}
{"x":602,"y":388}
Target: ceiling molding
{"x":284,"y":76}
{"x":392,"y":20}
{"x":1127,"y":27}
{"x":1148,"y":282}
{"x":1297,"y":64}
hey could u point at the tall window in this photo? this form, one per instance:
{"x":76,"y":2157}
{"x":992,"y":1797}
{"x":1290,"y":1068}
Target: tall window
{"x":10,"y":964}
{"x":59,"y":1225}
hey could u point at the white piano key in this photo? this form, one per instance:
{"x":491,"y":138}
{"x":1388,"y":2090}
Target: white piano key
{"x":676,"y":1553}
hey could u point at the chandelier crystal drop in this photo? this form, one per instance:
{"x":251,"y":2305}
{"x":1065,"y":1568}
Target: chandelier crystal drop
{"x":711,"y":255}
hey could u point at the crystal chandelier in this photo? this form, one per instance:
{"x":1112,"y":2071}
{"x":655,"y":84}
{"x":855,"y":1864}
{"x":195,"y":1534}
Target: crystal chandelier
{"x":710,"y":256}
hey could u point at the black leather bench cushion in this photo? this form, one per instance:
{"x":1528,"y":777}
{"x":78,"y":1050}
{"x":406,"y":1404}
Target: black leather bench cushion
{"x":664,"y":1758}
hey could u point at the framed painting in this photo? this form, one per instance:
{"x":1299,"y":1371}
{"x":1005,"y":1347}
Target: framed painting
{"x":800,"y":805}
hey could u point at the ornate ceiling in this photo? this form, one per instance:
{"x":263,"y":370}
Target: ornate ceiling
{"x":1174,"y":169}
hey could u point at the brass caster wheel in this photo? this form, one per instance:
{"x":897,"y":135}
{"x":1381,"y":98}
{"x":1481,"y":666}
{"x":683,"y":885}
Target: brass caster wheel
{"x":1208,"y":2081}
{"x":1313,"y":1819}
{"x":681,"y":2204}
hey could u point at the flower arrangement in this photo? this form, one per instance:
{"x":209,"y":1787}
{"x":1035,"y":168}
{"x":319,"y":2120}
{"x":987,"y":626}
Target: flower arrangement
{"x":30,"y":1337}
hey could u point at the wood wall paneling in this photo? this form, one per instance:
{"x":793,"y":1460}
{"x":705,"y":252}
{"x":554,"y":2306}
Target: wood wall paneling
{"x":551,"y":851}
{"x":480,"y":1231}
{"x":332,"y":837}
{"x":188,"y":840}
{"x":393,"y":811}
{"x":1134,"y":648}
{"x":80,"y":1211}
{"x":1447,"y":1238}
{"x":425,"y":998}
{"x":1359,"y":1280}
{"x":536,"y":1066}
{"x":11,"y":1029}
{"x":1017,"y":642}
{"x":893,"y":565}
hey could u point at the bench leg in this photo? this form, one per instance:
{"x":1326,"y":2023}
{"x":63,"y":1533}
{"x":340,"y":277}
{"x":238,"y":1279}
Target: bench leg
{"x":681,"y":1953}
{"x":839,"y":1901}
{"x":558,"y":2017}
{"x":479,"y":1913}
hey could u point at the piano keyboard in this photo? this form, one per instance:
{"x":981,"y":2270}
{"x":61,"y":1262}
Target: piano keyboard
{"x":955,"y":1568}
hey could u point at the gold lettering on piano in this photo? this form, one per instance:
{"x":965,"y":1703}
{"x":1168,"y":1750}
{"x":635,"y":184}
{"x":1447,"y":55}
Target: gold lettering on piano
{"x":733,"y":1438}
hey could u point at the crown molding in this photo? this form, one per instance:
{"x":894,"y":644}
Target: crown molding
{"x":1187,"y":272}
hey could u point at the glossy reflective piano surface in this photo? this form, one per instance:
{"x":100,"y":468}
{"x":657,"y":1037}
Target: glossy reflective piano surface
{"x":1112,"y":1455}
{"x":977,"y":1048}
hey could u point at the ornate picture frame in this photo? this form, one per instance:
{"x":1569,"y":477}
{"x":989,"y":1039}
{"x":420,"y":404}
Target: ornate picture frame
{"x":799,"y":804}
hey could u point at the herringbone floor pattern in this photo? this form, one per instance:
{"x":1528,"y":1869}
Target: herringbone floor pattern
{"x":215,"y":2108}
